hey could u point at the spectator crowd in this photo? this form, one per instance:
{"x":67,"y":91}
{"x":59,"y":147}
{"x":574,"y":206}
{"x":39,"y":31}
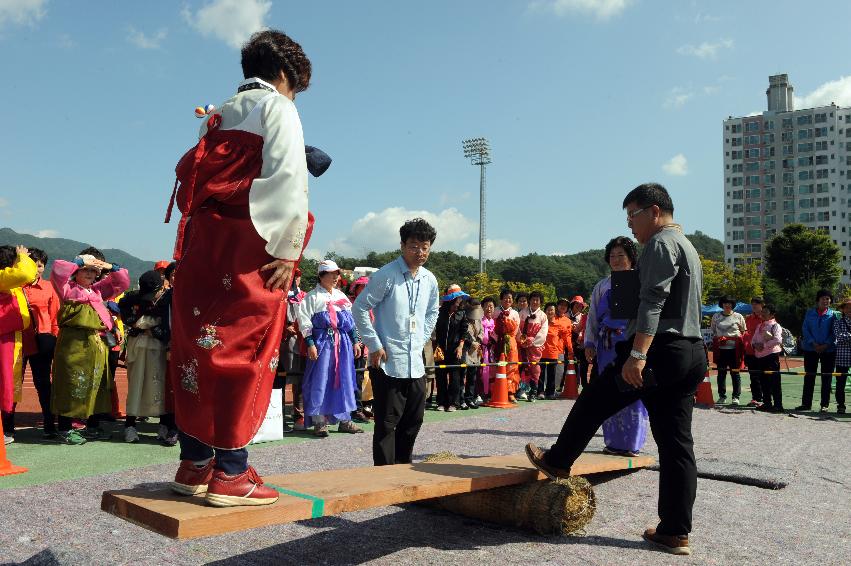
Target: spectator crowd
{"x":74,"y":330}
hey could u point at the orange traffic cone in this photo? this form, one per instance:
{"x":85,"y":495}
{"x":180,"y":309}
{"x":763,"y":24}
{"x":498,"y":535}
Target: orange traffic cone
{"x":499,"y":388}
{"x":6,"y":467}
{"x":571,"y":385}
{"x":704,"y":397}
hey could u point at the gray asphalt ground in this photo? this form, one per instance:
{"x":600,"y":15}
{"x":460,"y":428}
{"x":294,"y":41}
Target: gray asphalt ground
{"x":807,"y":522}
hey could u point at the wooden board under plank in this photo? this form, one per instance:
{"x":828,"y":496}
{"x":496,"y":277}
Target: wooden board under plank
{"x":330,"y":492}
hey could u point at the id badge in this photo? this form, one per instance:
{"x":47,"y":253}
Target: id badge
{"x":412,"y":324}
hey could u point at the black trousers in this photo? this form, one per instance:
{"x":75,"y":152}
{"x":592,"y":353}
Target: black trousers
{"x":772,"y":390}
{"x":231,"y":462}
{"x":40,"y":364}
{"x":448,"y":385}
{"x":756,"y":380}
{"x":840,"y":386}
{"x":581,"y":365}
{"x":547,"y":386}
{"x":471,"y":376}
{"x":398,"y":405}
{"x":727,"y":361}
{"x":811,"y":363}
{"x":679,"y":364}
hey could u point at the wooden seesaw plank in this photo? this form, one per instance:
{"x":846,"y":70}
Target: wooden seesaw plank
{"x":331,"y":492}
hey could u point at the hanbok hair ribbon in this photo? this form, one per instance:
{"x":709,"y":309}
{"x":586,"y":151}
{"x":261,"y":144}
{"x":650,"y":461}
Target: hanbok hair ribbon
{"x":332,"y":315}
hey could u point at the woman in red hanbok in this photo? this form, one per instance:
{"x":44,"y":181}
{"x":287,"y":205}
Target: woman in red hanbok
{"x":506,"y":326}
{"x":244,"y":225}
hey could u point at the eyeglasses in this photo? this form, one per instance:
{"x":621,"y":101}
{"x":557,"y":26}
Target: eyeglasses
{"x":634,"y":213}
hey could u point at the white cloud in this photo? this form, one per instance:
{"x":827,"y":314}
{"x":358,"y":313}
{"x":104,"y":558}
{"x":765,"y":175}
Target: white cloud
{"x":677,"y":97}
{"x":379,"y":231}
{"x":232,"y":21}
{"x":677,"y":165}
{"x":494,"y":249}
{"x":65,"y":41}
{"x":21,"y":12}
{"x":600,"y":9}
{"x":706,"y":50}
{"x":46,"y":233}
{"x":143,"y":41}
{"x":838,"y":91}
{"x":312,"y":253}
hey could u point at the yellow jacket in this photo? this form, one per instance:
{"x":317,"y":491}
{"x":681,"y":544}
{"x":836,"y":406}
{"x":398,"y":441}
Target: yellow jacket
{"x":12,"y":281}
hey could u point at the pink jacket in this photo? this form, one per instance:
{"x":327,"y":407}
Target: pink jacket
{"x":107,"y":288}
{"x":770,"y":345}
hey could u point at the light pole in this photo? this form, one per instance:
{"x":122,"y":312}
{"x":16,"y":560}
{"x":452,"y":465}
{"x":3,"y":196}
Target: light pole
{"x":479,"y":152}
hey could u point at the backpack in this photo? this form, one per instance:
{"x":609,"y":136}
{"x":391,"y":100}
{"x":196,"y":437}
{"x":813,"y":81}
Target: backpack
{"x":788,"y":342}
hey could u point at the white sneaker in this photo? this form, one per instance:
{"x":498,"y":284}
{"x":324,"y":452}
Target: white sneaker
{"x":478,"y":400}
{"x":8,"y":439}
{"x":130,"y":434}
{"x":521,"y":396}
{"x":735,"y":400}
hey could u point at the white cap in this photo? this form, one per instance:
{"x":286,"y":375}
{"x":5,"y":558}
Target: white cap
{"x":328,"y":265}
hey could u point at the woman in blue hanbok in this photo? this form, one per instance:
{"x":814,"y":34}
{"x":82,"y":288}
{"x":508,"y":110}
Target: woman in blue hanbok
{"x":626,"y":431}
{"x":325,"y":321}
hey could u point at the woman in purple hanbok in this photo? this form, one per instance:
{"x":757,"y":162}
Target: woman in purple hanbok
{"x":625,"y":432}
{"x":328,"y":387}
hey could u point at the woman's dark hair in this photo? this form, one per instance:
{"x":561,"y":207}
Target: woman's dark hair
{"x":94,"y":252}
{"x":505,"y":292}
{"x":169,"y":270}
{"x":519,"y":296}
{"x":550,"y":304}
{"x":417,"y":229}
{"x":487,"y":300}
{"x":628,"y":247}
{"x":824,"y":293}
{"x":728,"y":299}
{"x":38,"y":255}
{"x":268,"y":53}
{"x":538,"y":294}
{"x":768,"y":307}
{"x":650,"y":194}
{"x":447,"y":305}
{"x":8,"y":256}
{"x":473,"y":302}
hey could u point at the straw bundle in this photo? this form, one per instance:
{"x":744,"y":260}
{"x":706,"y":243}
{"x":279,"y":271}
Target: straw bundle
{"x":562,"y":507}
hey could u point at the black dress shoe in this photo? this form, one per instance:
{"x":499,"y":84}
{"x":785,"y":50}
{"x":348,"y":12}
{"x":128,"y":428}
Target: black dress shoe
{"x":537,"y":458}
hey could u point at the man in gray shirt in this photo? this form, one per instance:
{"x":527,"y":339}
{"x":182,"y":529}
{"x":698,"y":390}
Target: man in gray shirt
{"x":664,"y":338}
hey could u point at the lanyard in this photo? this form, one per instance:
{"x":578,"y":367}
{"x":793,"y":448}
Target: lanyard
{"x":412,"y":298}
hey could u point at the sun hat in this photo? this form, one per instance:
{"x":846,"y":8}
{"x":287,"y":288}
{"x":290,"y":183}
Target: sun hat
{"x":453,"y":292}
{"x":328,"y":265}
{"x":578,"y":299}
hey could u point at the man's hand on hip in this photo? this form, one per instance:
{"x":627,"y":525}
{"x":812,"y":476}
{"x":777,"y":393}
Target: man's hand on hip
{"x":375,"y":358}
{"x":632,"y":372}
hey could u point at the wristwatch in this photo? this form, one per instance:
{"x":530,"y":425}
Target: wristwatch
{"x":637,"y":355}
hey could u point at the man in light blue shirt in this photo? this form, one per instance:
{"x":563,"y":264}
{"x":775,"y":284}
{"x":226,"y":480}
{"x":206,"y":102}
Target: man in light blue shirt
{"x":403,"y":297}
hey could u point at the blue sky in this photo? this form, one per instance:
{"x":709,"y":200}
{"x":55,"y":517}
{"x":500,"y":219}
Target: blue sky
{"x":580,"y":99}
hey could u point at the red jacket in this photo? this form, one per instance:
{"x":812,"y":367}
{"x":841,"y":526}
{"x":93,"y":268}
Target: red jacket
{"x":751,"y":321}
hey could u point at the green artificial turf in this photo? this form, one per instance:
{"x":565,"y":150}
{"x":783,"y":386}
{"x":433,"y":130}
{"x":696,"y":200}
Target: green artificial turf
{"x":47,"y":461}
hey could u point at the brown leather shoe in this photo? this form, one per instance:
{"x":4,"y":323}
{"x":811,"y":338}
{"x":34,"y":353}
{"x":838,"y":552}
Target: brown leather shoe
{"x":536,"y":456}
{"x":192,"y":480}
{"x":242,"y":489}
{"x":668,"y":543}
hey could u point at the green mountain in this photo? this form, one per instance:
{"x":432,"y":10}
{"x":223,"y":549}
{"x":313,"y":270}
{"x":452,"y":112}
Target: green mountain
{"x":569,"y":274}
{"x":62,"y":248}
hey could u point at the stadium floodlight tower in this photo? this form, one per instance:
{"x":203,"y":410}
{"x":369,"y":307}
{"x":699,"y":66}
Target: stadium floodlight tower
{"x":478,"y":150}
